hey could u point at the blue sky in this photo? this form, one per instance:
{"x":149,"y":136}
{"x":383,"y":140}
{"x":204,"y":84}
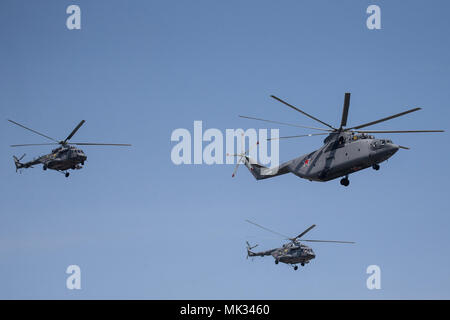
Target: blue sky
{"x":141,"y":227}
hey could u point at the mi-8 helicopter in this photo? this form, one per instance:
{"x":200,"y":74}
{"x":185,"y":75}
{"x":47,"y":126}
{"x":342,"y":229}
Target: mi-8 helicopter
{"x":292,"y":252}
{"x":62,"y":158}
{"x":345,"y":150}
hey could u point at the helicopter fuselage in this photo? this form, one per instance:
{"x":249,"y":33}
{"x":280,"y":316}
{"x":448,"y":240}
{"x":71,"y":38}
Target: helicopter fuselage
{"x":342,"y":157}
{"x":293,"y":254}
{"x":290,"y":253}
{"x":64,"y":158}
{"x":342,"y":154}
{"x":61,"y":159}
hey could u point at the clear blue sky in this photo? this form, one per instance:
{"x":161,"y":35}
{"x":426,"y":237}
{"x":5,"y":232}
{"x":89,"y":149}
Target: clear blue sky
{"x":141,"y":227}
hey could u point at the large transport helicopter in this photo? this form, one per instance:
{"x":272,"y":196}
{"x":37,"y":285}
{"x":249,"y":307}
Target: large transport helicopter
{"x":294,"y":252}
{"x":345,"y":150}
{"x":62,"y":158}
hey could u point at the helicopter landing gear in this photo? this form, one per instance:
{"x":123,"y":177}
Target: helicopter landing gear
{"x":345,"y":182}
{"x":44,"y":168}
{"x":276,"y":261}
{"x":295,"y":267}
{"x":302,"y":264}
{"x":376,"y":167}
{"x":67,"y":174}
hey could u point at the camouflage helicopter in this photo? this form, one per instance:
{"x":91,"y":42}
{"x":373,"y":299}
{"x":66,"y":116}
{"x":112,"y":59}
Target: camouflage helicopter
{"x":290,"y":253}
{"x":62,"y":158}
{"x":345,"y":150}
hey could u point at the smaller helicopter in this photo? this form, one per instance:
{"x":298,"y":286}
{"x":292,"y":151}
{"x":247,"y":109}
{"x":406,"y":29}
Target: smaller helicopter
{"x":62,"y":158}
{"x":292,"y":252}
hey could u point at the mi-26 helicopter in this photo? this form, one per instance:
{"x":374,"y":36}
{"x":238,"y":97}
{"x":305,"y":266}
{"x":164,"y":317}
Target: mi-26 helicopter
{"x":291,"y":253}
{"x":345,"y":150}
{"x":62,"y":158}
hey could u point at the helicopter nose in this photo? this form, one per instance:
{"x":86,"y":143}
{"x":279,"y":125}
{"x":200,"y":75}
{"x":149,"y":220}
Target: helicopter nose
{"x":391,"y":148}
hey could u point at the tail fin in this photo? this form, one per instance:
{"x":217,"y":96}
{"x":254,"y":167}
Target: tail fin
{"x":261,"y":172}
{"x":258,"y":171}
{"x":249,"y":248}
{"x":17,"y":162}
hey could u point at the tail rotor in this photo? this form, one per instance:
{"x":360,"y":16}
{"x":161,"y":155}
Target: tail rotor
{"x":241,"y":159}
{"x":242,"y":156}
{"x":17,"y":162}
{"x":249,"y":248}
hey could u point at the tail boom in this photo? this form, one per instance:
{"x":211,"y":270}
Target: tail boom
{"x":261,"y":172}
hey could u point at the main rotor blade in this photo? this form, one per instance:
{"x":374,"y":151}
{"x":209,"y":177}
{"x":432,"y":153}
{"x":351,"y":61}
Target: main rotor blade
{"x":396,"y":131}
{"x":384,"y":119}
{"x":274,"y":232}
{"x":74,"y":131}
{"x":100,"y":144}
{"x":34,"y":131}
{"x":33,"y":144}
{"x":304,"y":232}
{"x":286,"y":124}
{"x":303,"y":112}
{"x":299,"y":136}
{"x":334,"y":241}
{"x":345,"y":110}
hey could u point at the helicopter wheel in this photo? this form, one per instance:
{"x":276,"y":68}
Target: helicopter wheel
{"x":44,"y":168}
{"x":276,"y":261}
{"x":303,"y":264}
{"x":67,"y":174}
{"x":376,"y":167}
{"x":345,"y":182}
{"x":295,"y":267}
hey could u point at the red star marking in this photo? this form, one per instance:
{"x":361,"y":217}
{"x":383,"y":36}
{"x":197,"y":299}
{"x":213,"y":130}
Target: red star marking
{"x":306,"y":162}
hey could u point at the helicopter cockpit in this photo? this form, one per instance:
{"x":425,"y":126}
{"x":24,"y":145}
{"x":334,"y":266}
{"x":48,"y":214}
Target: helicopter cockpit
{"x":377,"y":144}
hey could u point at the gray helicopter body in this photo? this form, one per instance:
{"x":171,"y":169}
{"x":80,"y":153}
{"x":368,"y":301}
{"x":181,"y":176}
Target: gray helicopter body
{"x":341,"y":155}
{"x":345,"y":150}
{"x":294,"y":252}
{"x":291,"y":253}
{"x":65,"y":158}
{"x":62,"y":158}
